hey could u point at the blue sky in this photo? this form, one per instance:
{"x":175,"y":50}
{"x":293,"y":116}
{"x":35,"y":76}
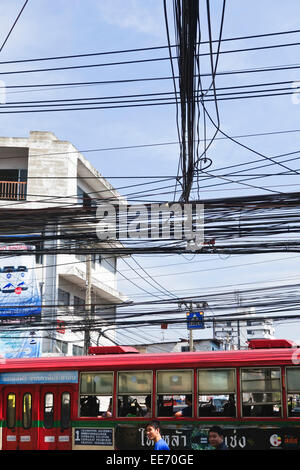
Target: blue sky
{"x":63,"y":27}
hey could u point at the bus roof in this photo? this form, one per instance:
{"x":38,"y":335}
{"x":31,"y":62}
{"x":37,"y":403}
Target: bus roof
{"x":253,"y":358}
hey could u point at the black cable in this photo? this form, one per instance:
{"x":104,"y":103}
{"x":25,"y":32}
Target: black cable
{"x":14,"y":24}
{"x":152,"y":48}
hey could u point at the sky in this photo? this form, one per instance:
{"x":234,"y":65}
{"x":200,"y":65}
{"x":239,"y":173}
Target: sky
{"x":50,"y":28}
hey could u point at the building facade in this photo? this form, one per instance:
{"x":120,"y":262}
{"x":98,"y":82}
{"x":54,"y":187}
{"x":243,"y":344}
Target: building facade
{"x":179,"y":346}
{"x":39,"y":173}
{"x":236,"y":334}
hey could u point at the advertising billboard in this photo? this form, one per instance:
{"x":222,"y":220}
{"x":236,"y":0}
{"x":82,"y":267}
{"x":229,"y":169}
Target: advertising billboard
{"x":19,"y":297}
{"x":19,"y":292}
{"x":18,"y":344}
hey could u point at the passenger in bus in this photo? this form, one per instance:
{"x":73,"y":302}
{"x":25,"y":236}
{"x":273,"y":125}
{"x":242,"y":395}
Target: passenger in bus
{"x":188,"y":410}
{"x":256,"y":406}
{"x":148,"y":413}
{"x":229,"y":406}
{"x":89,"y":406}
{"x":129,"y":407}
{"x":108,"y":412}
{"x":164,"y":407}
{"x":207,"y":408}
{"x":124,"y":405}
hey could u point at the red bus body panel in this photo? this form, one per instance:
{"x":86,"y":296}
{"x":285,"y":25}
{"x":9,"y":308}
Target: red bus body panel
{"x":254,"y":357}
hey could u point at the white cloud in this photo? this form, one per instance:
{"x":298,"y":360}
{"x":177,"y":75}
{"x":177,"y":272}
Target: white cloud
{"x":143,"y":17}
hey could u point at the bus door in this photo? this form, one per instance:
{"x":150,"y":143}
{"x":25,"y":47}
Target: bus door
{"x":20,"y":417}
{"x":55,"y":430}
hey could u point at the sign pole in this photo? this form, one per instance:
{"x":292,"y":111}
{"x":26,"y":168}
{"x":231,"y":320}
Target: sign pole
{"x":191,"y":343}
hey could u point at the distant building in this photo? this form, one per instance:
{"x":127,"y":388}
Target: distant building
{"x":235,"y":335}
{"x":180,"y":346}
{"x":42,"y":172}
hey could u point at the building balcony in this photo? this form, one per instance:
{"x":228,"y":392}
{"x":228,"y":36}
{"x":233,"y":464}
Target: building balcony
{"x":77,"y":277}
{"x":13,"y":190}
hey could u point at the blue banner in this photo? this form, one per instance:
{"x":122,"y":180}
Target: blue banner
{"x":53,"y":377}
{"x":16,"y":344}
{"x":19,"y":293}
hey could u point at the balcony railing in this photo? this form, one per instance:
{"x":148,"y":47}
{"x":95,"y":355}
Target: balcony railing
{"x":13,"y":190}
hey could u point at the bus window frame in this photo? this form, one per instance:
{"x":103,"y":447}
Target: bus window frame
{"x":193,"y":371}
{"x":259,"y":418}
{"x":116,"y":390}
{"x":61,"y":405}
{"x":235,"y":393}
{"x":113,"y":372}
{"x":24,"y":415}
{"x":287,"y":417}
{"x":52,"y":413}
{"x":14,"y":408}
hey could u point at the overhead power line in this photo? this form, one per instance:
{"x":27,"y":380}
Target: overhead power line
{"x":13,"y":26}
{"x":153,"y":48}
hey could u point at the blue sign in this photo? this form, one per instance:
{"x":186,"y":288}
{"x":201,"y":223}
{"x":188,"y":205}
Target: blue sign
{"x":55,"y":377}
{"x":195,"y":320}
{"x":19,"y":292}
{"x":15,"y":344}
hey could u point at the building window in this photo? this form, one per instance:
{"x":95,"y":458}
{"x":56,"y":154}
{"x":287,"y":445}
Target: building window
{"x":77,"y":350}
{"x":261,"y":392}
{"x":62,"y":346}
{"x":63,"y":297}
{"x":83,"y":198}
{"x":80,"y":257}
{"x":96,"y":260}
{"x":39,"y":256}
{"x":79,"y":304}
{"x":110,"y":264}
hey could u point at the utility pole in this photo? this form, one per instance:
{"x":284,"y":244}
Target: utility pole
{"x":88,"y":303}
{"x":191,"y":342}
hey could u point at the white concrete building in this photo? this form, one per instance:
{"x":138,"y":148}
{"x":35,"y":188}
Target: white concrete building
{"x":179,"y":346}
{"x":42,"y":172}
{"x":235,"y":335}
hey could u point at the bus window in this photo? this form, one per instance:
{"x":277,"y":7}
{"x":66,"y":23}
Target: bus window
{"x":27,"y":411}
{"x":48,"y":410}
{"x":96,"y":391}
{"x":65,"y":410}
{"x":261,"y":392}
{"x":11,"y":411}
{"x":134,"y":394}
{"x":175,"y":393}
{"x":293,"y":391}
{"x":217,"y":392}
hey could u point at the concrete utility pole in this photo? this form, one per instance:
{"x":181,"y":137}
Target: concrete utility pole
{"x":191,"y":342}
{"x":88,"y":303}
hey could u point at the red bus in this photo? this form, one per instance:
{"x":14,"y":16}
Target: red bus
{"x":104,"y":401}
